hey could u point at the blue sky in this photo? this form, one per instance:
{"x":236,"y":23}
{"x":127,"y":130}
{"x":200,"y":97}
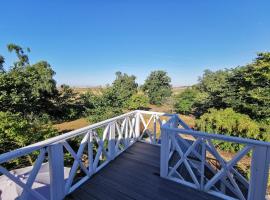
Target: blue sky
{"x":87,"y":41}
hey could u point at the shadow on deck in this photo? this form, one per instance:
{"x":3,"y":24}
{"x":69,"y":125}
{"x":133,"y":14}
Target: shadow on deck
{"x":135,"y":175}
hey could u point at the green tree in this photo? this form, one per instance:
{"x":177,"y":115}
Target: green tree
{"x":157,"y":87}
{"x":28,"y":89}
{"x":101,"y":107}
{"x":138,"y":101}
{"x":246,"y":89}
{"x":68,"y":104}
{"x":123,"y":87}
{"x":18,"y":131}
{"x":184,"y":102}
{"x":23,"y":58}
{"x":250,"y":88}
{"x":212,"y":87}
{"x":2,"y":61}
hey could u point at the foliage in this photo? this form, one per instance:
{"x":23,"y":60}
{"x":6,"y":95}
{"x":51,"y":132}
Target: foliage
{"x":246,"y":89}
{"x":228,"y":122}
{"x":67,"y":104}
{"x":28,"y":89}
{"x":23,"y":58}
{"x":184,"y":101}
{"x":102,"y":113}
{"x":123,"y":87}
{"x":113,"y":99}
{"x":100,"y":107}
{"x":31,"y":89}
{"x":2,"y":61}
{"x":212,"y":88}
{"x":17,"y":131}
{"x":157,"y":87}
{"x":137,"y":101}
{"x":250,"y":88}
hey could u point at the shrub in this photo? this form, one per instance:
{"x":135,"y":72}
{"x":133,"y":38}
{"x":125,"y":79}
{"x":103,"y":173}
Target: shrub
{"x":228,"y":122}
{"x":137,"y":101}
{"x":184,"y":102}
{"x":17,"y":132}
{"x":101,"y":107}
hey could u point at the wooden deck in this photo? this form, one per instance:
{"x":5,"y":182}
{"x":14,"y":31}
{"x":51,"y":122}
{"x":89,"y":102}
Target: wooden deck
{"x":135,"y":175}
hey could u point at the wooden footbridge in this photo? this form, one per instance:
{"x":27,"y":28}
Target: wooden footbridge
{"x":143,"y":155}
{"x":135,"y":175}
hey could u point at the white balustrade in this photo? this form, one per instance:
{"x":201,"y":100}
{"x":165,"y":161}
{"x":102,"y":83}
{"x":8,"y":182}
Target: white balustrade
{"x":98,"y":143}
{"x":185,"y":160}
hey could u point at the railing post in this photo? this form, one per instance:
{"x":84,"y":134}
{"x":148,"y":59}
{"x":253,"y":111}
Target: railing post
{"x":56,"y":163}
{"x":259,"y":173}
{"x":155,"y":129}
{"x":137,"y":125}
{"x":111,"y":143}
{"x":90,"y":152}
{"x":164,"y":153}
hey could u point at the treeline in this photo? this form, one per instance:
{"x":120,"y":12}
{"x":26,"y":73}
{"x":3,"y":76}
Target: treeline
{"x":232,"y":101}
{"x":30,"y":101}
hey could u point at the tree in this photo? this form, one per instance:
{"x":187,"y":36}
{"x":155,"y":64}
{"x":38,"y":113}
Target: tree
{"x":68,"y":104}
{"x":100,"y":107}
{"x":184,"y":102}
{"x":2,"y":61}
{"x":124,"y":86}
{"x":246,"y":89}
{"x":250,"y":88}
{"x":212,"y":87}
{"x":17,"y":131}
{"x":23,"y":58}
{"x":28,"y":89}
{"x":157,"y":87}
{"x":137,"y":101}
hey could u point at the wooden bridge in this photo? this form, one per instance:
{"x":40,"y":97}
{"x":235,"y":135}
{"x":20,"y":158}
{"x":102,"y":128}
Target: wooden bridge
{"x":142,"y":155}
{"x":135,"y":175}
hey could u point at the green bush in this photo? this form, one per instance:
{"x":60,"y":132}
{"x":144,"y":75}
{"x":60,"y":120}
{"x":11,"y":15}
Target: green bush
{"x":17,"y":131}
{"x":228,"y":122}
{"x":184,"y":102}
{"x":100,"y":107}
{"x":137,"y":101}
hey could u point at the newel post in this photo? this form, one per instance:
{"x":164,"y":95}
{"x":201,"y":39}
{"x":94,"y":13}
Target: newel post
{"x":56,"y":164}
{"x":111,"y":143}
{"x":137,"y":125}
{"x":259,"y":173}
{"x":164,"y":152}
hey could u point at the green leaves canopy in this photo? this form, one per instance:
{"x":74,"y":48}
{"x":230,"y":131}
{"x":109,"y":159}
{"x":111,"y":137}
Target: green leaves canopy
{"x":246,"y":89}
{"x":157,"y":87}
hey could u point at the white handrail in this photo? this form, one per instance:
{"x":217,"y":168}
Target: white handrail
{"x":33,"y":147}
{"x":217,"y":136}
{"x":119,"y":133}
{"x":192,"y":156}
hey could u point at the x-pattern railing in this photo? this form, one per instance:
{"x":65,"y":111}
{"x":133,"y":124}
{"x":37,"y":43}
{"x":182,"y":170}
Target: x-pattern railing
{"x":102,"y":142}
{"x":98,"y":144}
{"x":152,"y":123}
{"x":185,"y":161}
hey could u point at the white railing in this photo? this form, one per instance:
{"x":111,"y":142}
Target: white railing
{"x":186,"y":158}
{"x":95,"y":146}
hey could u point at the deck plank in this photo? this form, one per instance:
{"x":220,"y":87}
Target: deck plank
{"x":135,"y":175}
